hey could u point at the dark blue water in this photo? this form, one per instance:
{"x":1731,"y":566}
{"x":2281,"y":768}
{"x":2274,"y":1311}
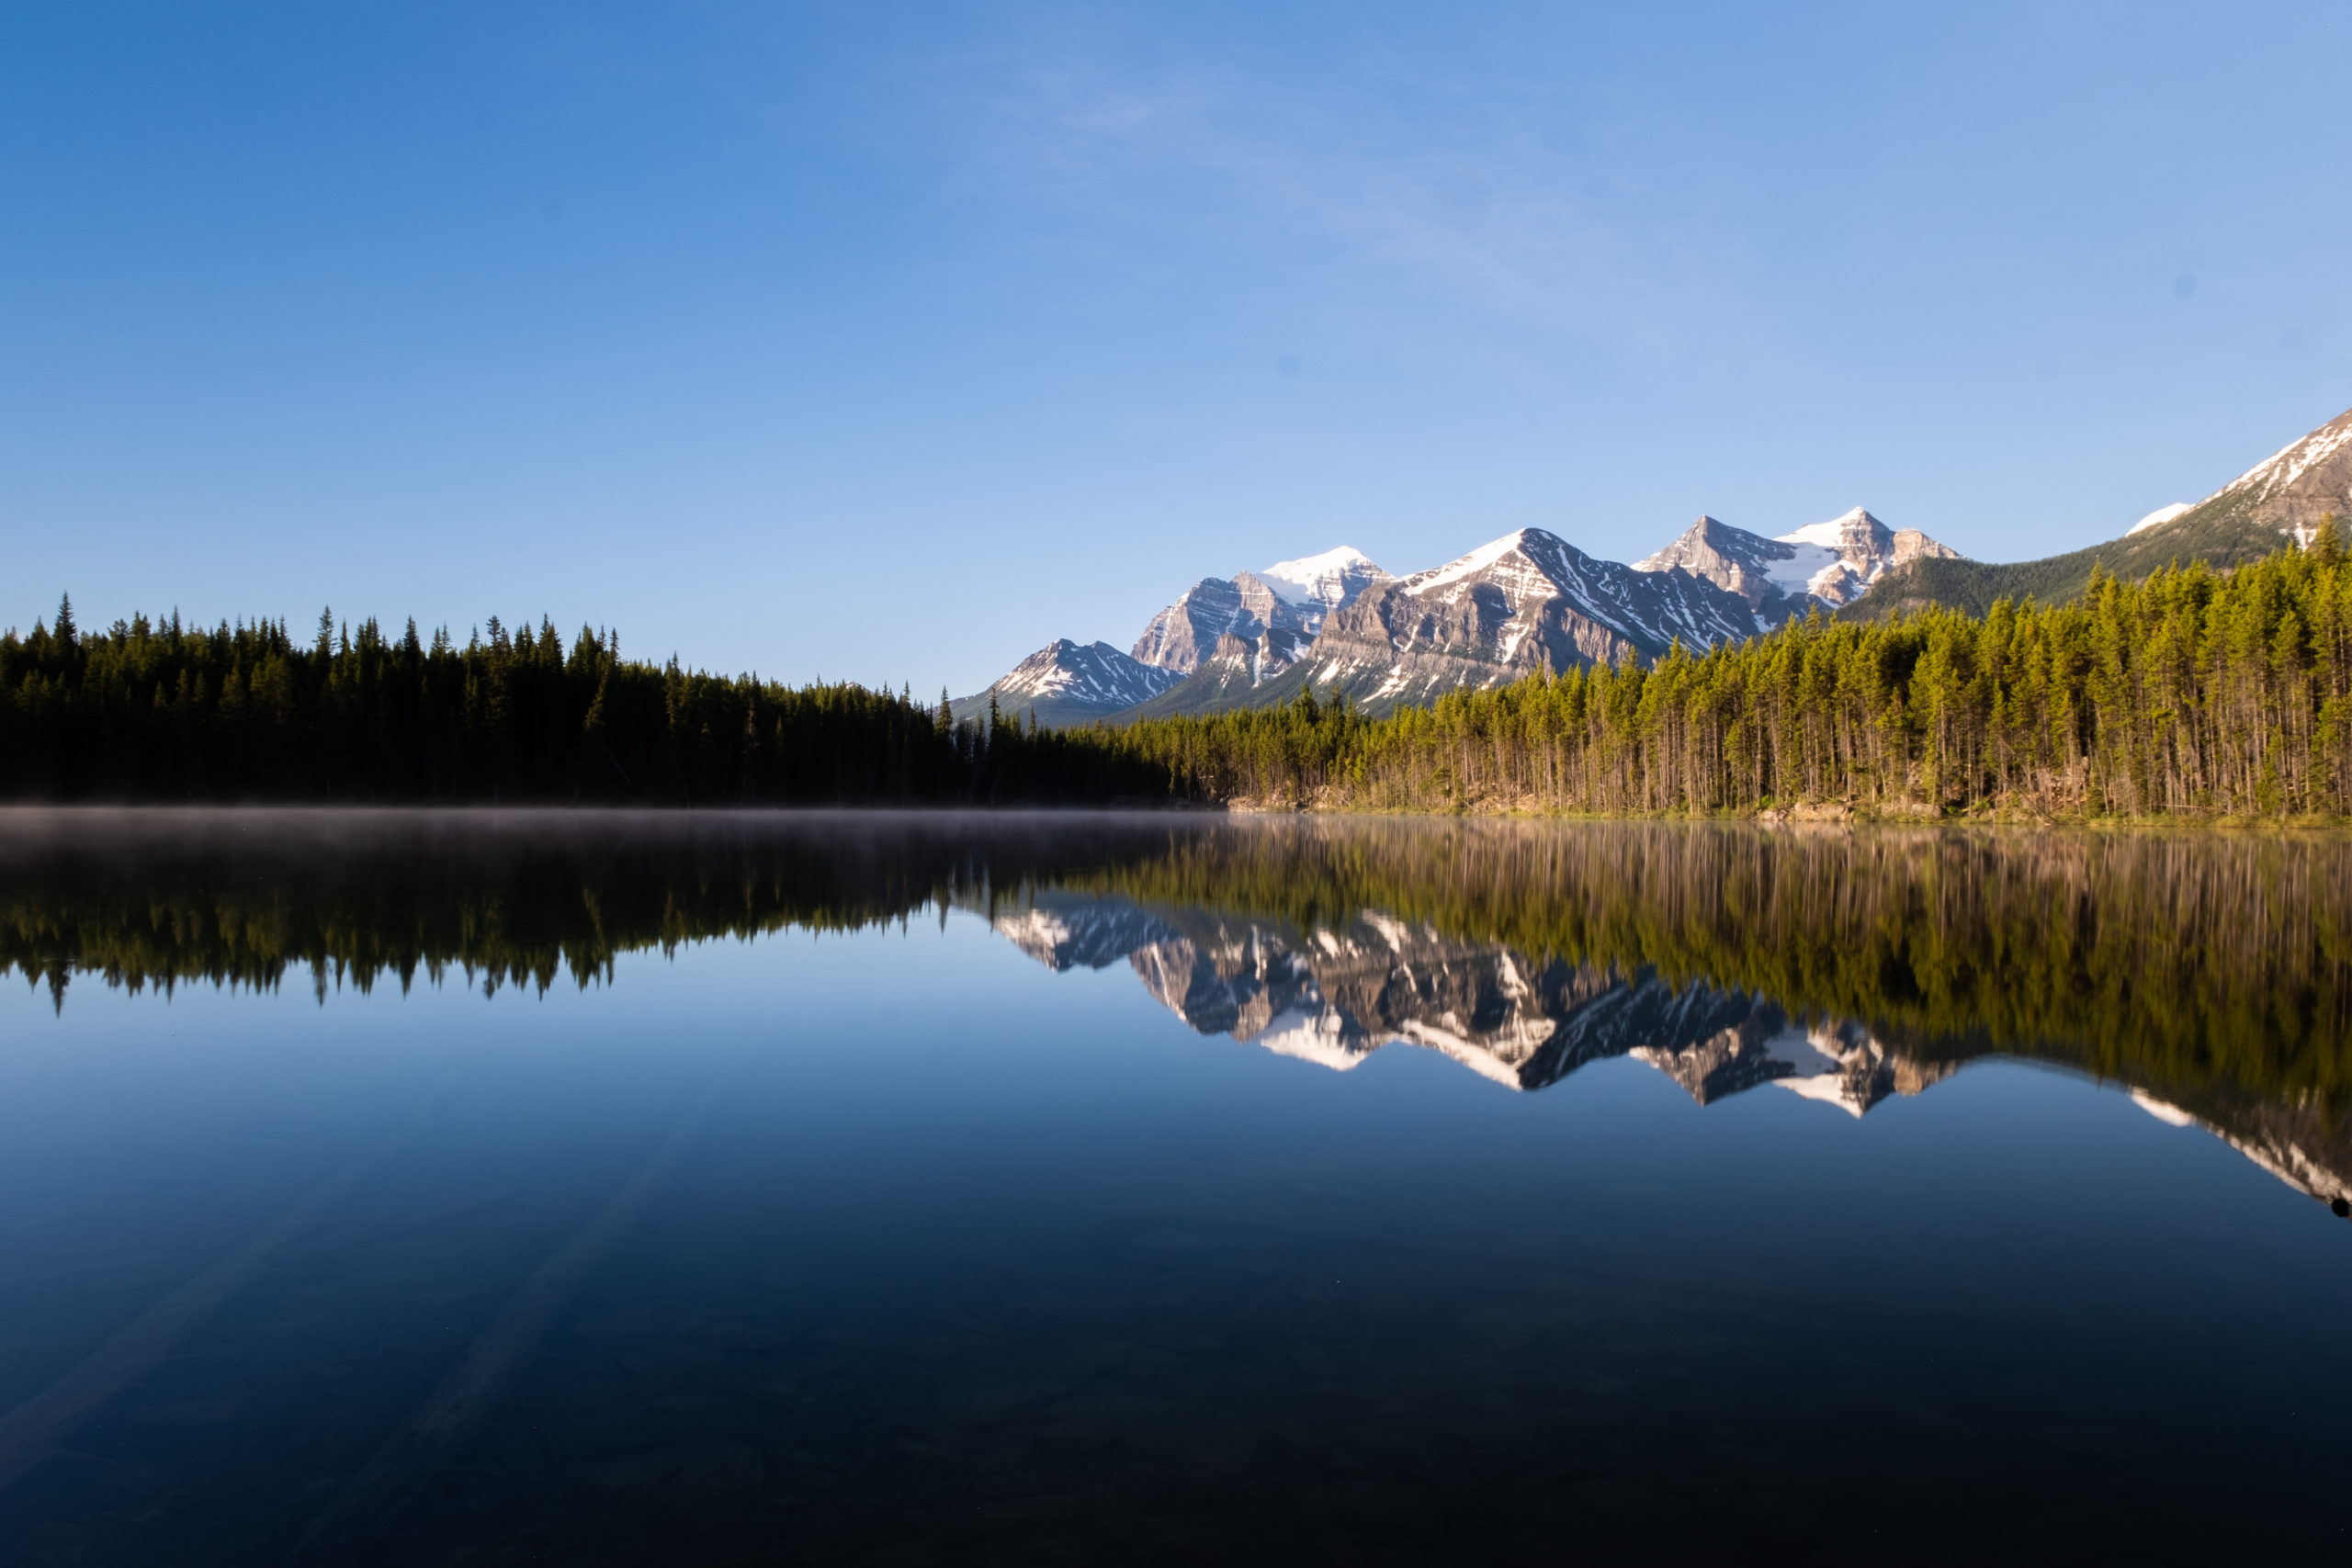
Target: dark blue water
{"x":899,"y":1245}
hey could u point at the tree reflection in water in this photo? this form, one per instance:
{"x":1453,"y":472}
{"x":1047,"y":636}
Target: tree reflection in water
{"x":2211,"y":974}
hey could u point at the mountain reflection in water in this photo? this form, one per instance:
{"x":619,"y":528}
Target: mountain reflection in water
{"x":1336,"y":994}
{"x":2211,"y":975}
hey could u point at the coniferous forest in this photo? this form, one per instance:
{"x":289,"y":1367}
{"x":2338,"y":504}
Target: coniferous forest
{"x":2193,"y":693}
{"x":160,"y":711}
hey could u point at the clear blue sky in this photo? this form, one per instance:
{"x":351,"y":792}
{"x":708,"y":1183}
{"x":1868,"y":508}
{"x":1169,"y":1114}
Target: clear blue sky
{"x":891,"y":340}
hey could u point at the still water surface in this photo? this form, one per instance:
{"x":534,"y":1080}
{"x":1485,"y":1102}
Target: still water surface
{"x":605,"y":1188}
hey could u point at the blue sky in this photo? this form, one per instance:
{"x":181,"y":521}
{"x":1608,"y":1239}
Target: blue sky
{"x":890,"y":342}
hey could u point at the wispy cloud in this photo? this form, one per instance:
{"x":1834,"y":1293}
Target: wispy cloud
{"x":1513,"y":207}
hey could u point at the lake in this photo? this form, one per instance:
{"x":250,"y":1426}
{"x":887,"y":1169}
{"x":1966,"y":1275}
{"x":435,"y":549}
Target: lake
{"x":588,"y":1188}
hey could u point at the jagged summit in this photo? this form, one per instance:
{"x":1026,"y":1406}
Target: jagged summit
{"x":1850,"y":528}
{"x":1862,"y":550}
{"x":1526,"y":601}
{"x":1277,"y":611}
{"x":1180,"y":637}
{"x":1834,"y":562}
{"x":1759,"y":570}
{"x":1319,"y":585}
{"x":1064,"y":683}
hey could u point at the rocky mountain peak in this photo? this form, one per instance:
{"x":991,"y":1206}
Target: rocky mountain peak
{"x":1281,"y":609}
{"x":1066,"y":681}
{"x":1318,"y":584}
{"x":1527,"y":602}
{"x":1834,"y":562}
{"x":1182,"y":635}
{"x":1853,"y":529}
{"x":2293,"y":488}
{"x":1755,"y":567}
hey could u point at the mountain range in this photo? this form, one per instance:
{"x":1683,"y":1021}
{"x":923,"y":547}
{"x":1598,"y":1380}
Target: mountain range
{"x":1530,"y":601}
{"x":1527,"y":602}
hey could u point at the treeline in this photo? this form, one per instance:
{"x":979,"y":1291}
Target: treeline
{"x":162,"y":711}
{"x":2193,"y":693}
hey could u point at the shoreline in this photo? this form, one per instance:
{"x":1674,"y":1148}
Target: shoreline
{"x":1812,"y":815}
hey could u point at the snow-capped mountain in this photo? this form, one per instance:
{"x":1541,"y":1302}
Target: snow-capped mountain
{"x":1759,"y":569}
{"x":1861,"y":549}
{"x":1530,"y":601}
{"x":1245,"y":606}
{"x":1277,"y":611}
{"x":1315,"y":586}
{"x":2294,"y":487}
{"x":1526,"y":601}
{"x":1834,"y":562}
{"x":1066,"y":683}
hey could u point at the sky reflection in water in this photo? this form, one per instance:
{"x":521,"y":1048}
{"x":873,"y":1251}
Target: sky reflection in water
{"x":896,"y":1189}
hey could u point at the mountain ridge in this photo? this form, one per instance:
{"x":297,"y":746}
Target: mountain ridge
{"x":1530,"y":601}
{"x":1526,"y":601}
{"x":2282,"y":498}
{"x":1064,"y":682}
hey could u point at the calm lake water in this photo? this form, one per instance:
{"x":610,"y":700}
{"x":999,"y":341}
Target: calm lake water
{"x":486,"y":1189}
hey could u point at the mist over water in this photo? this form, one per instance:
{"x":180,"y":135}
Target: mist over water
{"x":594,"y":1187}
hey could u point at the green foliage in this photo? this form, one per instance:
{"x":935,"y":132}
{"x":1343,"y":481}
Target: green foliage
{"x":2190,"y":694}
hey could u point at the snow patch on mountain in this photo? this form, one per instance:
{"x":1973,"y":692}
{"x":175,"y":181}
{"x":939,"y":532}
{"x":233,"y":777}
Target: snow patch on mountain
{"x":1832,"y":535}
{"x":2295,"y":487}
{"x":2292,"y":462}
{"x":1755,"y":567}
{"x":1861,"y":549}
{"x":1096,"y":673}
{"x":1278,"y":610}
{"x":1321,"y":583}
{"x":1834,"y":562}
{"x":2160,"y":516}
{"x":1808,"y":565}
